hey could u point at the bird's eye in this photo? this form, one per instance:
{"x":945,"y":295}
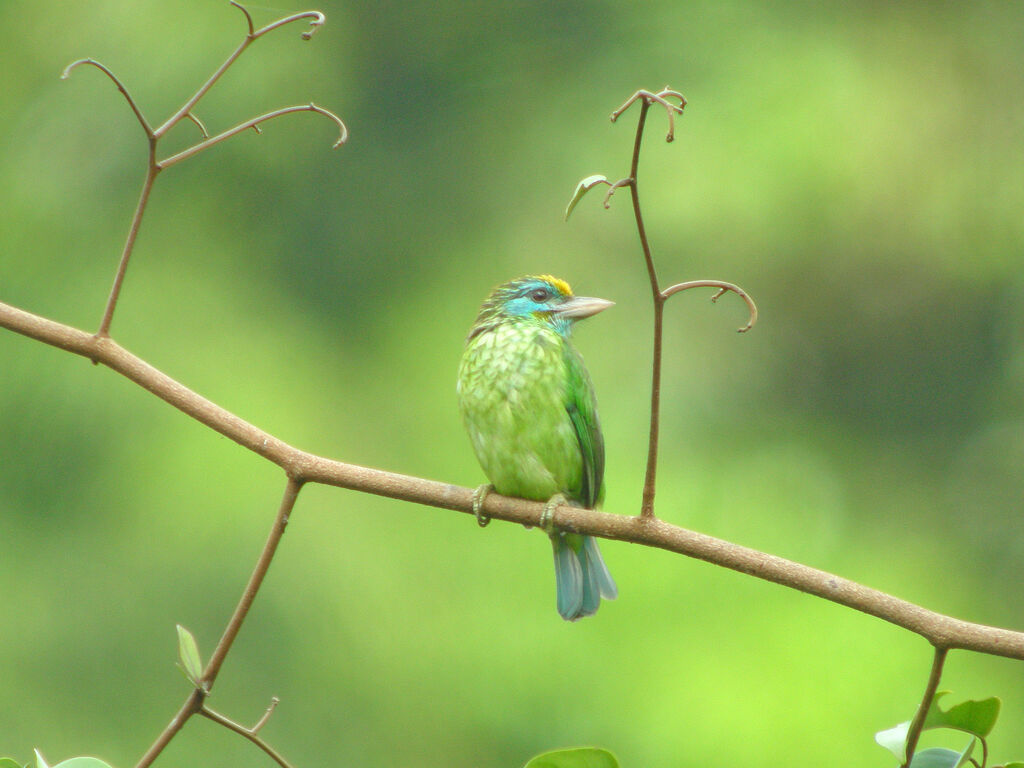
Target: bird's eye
{"x":540,"y":295}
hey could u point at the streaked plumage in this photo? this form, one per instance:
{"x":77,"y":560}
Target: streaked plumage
{"x":529,"y":407}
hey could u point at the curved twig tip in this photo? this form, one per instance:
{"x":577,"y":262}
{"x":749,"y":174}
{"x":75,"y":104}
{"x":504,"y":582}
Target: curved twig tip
{"x":661,"y":97}
{"x":342,"y":129}
{"x":722,"y":287}
{"x":74,"y":65}
{"x":120,"y":86}
{"x":199,"y":124}
{"x":248,"y":17}
{"x":92,"y":63}
{"x":314,"y":25}
{"x":254,"y":124}
{"x":316,"y":18}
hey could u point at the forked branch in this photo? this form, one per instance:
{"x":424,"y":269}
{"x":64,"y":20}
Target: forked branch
{"x":723,"y":288}
{"x":664,"y":98}
{"x":251,"y":37}
{"x":254,"y":123}
{"x":195,"y":703}
{"x":252,"y":734}
{"x":153,"y":136}
{"x":661,"y":97}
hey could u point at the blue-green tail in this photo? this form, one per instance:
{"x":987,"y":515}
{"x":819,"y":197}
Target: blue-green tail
{"x":581,"y":576}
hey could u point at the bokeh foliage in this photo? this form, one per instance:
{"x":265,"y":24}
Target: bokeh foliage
{"x":856,"y":167}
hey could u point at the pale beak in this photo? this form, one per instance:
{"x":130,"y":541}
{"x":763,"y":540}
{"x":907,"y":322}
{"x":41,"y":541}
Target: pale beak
{"x":582,"y":306}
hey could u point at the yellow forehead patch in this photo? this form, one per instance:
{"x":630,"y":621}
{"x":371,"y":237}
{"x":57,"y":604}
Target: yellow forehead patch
{"x":563,"y":287}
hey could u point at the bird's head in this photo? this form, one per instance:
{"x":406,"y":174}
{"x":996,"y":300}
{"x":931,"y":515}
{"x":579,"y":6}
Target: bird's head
{"x":537,"y":298}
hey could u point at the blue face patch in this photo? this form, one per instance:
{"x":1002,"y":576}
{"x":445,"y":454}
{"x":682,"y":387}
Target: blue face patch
{"x":533,"y":296}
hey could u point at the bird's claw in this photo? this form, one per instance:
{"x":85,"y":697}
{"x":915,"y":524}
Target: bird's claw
{"x":546,"y":522}
{"x":478,"y":504}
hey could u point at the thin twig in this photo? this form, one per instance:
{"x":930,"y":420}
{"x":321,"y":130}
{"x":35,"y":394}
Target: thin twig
{"x":192,"y":705}
{"x":248,"y":733}
{"x":220,"y":652}
{"x":250,"y":38}
{"x":648,"y":98}
{"x":722,"y":288}
{"x":650,"y":475}
{"x":199,"y":124}
{"x":917,"y":724}
{"x":129,"y":244}
{"x":274,"y":701}
{"x":195,"y":702}
{"x":186,"y":112}
{"x":314,"y":25}
{"x":254,"y":123}
{"x":614,"y":186}
{"x":939,"y":630}
{"x":120,"y":86}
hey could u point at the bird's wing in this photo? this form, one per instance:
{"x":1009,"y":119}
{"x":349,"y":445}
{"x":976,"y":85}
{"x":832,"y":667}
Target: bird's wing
{"x":582,"y":409}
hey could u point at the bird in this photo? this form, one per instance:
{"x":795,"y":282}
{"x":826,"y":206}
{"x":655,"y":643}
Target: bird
{"x":528,"y":404}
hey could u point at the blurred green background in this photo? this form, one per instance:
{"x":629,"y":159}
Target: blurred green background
{"x":855,"y":167}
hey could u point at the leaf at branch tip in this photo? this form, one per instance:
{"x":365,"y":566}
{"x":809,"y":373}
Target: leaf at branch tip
{"x":582,"y":188}
{"x":40,"y":762}
{"x":188,"y":657}
{"x":580,"y":757}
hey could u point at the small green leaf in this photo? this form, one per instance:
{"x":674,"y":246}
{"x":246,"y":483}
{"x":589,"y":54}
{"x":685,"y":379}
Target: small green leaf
{"x":895,"y":739}
{"x":974,"y":717}
{"x":9,"y":762}
{"x":582,"y":188}
{"x":83,"y":762}
{"x":936,"y":758}
{"x":966,"y":754}
{"x":188,"y":656}
{"x":1014,"y":764}
{"x":579,"y":757}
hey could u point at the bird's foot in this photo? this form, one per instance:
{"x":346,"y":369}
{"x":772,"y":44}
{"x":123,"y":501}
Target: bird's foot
{"x":546,"y":522}
{"x":478,"y":504}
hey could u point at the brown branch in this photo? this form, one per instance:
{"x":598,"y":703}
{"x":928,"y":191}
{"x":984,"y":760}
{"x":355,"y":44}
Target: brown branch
{"x":944,"y":632}
{"x":248,"y":733}
{"x":251,"y":37}
{"x":254,"y":123}
{"x":195,"y":703}
{"x":291,"y":493}
{"x":650,"y":474}
{"x":917,"y":724}
{"x":192,"y":705}
{"x":129,"y":244}
{"x":659,"y":297}
{"x":120,"y":86}
{"x":648,"y":98}
{"x":186,"y":112}
{"x":722,"y":288}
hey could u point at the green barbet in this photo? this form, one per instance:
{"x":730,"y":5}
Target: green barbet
{"x":529,"y":407}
